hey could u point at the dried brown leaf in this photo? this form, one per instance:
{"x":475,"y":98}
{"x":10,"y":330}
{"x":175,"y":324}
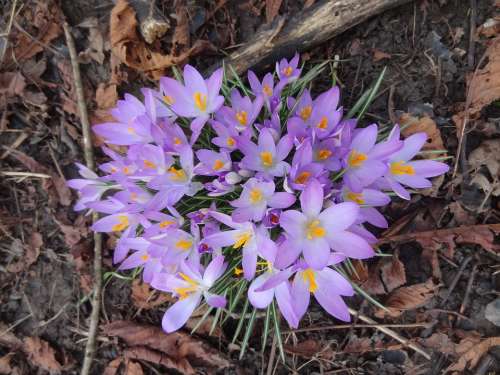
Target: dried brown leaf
{"x":30,"y":255}
{"x":272,"y":9}
{"x":408,"y":298}
{"x":487,"y":154}
{"x":181,"y":36}
{"x":133,"y":368}
{"x":380,"y":55}
{"x":393,"y":273}
{"x":176,"y":345}
{"x":412,"y":124}
{"x":12,"y":83}
{"x":41,"y":354}
{"x":5,"y":367}
{"x":113,"y":366}
{"x":146,"y":354}
{"x":470,"y":352}
{"x":146,"y":298}
{"x":95,"y":48}
{"x":310,"y":348}
{"x":106,"y":96}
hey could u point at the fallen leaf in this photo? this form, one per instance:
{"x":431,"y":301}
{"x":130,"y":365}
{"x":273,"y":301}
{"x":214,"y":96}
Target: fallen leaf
{"x":30,"y":254}
{"x":41,"y":354}
{"x":146,"y":298}
{"x":133,"y":368}
{"x":490,"y":28}
{"x":393,"y":273}
{"x":272,"y":9}
{"x":9,"y":339}
{"x":177,"y":345}
{"x":113,"y":366}
{"x":95,"y":49}
{"x":106,"y":96}
{"x":127,"y":45}
{"x":439,"y":342}
{"x":470,"y":352}
{"x":407,"y":298}
{"x":488,"y":155}
{"x":363,"y":344}
{"x":412,"y":124}
{"x":12,"y":84}
{"x":483,"y":235}
{"x":310,"y":348}
{"x":181,"y":36}
{"x":146,"y":354}
{"x":380,"y":55}
{"x":5,"y":367}
{"x":492,"y":312}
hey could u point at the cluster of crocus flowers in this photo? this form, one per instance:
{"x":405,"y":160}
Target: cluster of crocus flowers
{"x":206,"y":191}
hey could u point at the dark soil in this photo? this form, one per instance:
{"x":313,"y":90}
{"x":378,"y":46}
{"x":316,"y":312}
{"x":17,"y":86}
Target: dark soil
{"x":427,"y":50}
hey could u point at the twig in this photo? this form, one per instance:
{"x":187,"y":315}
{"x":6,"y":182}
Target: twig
{"x":271,"y":356}
{"x":463,"y":306}
{"x":455,"y":280}
{"x":347,"y":326}
{"x":25,"y":174}
{"x":89,"y":160}
{"x":391,"y":333}
{"x":472,"y":34}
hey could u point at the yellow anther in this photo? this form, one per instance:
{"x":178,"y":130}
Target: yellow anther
{"x":267,"y":90}
{"x":168,"y":99}
{"x":230,"y":141}
{"x":399,"y":168}
{"x":287,"y":71}
{"x":324,"y":154}
{"x":266,"y":158}
{"x":149,"y":164}
{"x":126,"y":170}
{"x":184,"y":292}
{"x":242,"y":239}
{"x":242,"y":117}
{"x":315,"y":230}
{"x":133,"y":196}
{"x":177,"y":141}
{"x":355,"y":197}
{"x":356,"y":159}
{"x":131,"y":130}
{"x":302,"y":178}
{"x":309,"y":277}
{"x":114,"y":170}
{"x":184,"y":244}
{"x":238,"y":271}
{"x":323,"y":123}
{"x":255,"y":195}
{"x":218,"y":164}
{"x":122,"y":224}
{"x":200,"y":101}
{"x":305,"y":112}
{"x":177,"y":174}
{"x":145,"y":257}
{"x":166,"y":223}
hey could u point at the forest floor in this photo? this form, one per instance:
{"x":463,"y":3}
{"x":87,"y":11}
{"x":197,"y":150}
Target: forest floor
{"x":441,"y":286}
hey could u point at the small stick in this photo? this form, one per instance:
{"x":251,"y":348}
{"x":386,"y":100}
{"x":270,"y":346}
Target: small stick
{"x":391,"y":333}
{"x":455,"y":280}
{"x":272,"y":355}
{"x":24,"y":174}
{"x":89,"y":160}
{"x":463,"y":306}
{"x":347,"y":326}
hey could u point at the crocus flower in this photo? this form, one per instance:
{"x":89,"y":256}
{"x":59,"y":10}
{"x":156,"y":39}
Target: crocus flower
{"x":266,"y":157}
{"x":254,"y":241}
{"x":226,"y":136}
{"x":365,"y":161}
{"x":366,"y":197}
{"x":314,"y":232}
{"x":212,"y":163}
{"x":288,"y":71}
{"x":303,"y":168}
{"x":403,"y":171}
{"x":190,"y":286}
{"x":242,"y":113}
{"x":256,"y":197}
{"x":266,"y":89}
{"x":197,"y":99}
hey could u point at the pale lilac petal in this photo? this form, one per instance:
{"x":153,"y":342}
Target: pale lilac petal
{"x":365,"y":139}
{"x":288,"y":252}
{"x":333,"y":304}
{"x":214,"y":270}
{"x":336,"y":258}
{"x":281,"y":200}
{"x":284,"y":146}
{"x":351,"y":245}
{"x":339,"y":217}
{"x":412,"y":145}
{"x":333,"y":283}
{"x":311,"y":199}
{"x":375,"y":198}
{"x":300,"y":295}
{"x":262,"y":298}
{"x":372,"y":216}
{"x":178,"y":314}
{"x":214,"y":84}
{"x":285,"y":304}
{"x":249,"y":262}
{"x":222,"y":239}
{"x":194,"y":81}
{"x":429,"y":168}
{"x":293,"y":222}
{"x":416,"y":182}
{"x":136,"y":259}
{"x":276,"y":279}
{"x":317,"y":253}
{"x":399,"y":189}
{"x":215,"y":300}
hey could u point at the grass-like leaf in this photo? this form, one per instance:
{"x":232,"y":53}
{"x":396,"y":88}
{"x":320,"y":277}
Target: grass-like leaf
{"x":248,"y":331}
{"x":277,"y":330}
{"x":240,"y":323}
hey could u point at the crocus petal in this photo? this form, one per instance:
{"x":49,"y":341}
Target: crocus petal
{"x":262,"y":298}
{"x":351,"y":245}
{"x":317,"y":253}
{"x":429,"y":168}
{"x":288,"y":252}
{"x":399,"y":189}
{"x":281,"y":200}
{"x":214,"y":270}
{"x":412,"y":145}
{"x":311,"y":199}
{"x":339,"y":217}
{"x":333,"y":304}
{"x":215,"y":300}
{"x":178,"y":314}
{"x":416,"y":182}
{"x":365,"y":139}
{"x":333,"y":283}
{"x":134,"y":260}
{"x":375,"y":198}
{"x":285,"y":304}
{"x":249,"y":262}
{"x":276,"y":279}
{"x":293,"y":222}
{"x":300,"y":295}
{"x":222,"y":239}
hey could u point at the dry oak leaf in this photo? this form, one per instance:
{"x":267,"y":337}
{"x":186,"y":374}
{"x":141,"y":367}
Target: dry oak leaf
{"x":146,"y":298}
{"x":310,"y":348}
{"x":128,"y":46}
{"x":146,"y":354}
{"x":41,"y":354}
{"x":12,"y":84}
{"x":380,"y":55}
{"x":31,"y":253}
{"x":469,"y":353}
{"x":383,"y":277}
{"x":177,"y":345}
{"x":408,"y":298}
{"x":412,"y":124}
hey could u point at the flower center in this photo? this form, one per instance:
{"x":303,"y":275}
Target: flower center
{"x":177,"y":174}
{"x":184,"y":292}
{"x":255,"y":195}
{"x":399,"y":168}
{"x":287,"y":71}
{"x":242,"y":239}
{"x":126,"y":170}
{"x":145,"y":257}
{"x":200,"y":101}
{"x":184,"y":244}
{"x":131,"y":130}
{"x":303,"y":177}
{"x":177,"y":141}
{"x":355,"y":197}
{"x":122,"y":224}
{"x":242,"y":117}
{"x":165,"y":224}
{"x":267,"y":90}
{"x":168,"y":99}
{"x":275,"y":219}
{"x":323,"y":123}
{"x":324,"y":154}
{"x":230,"y":141}
{"x":305,"y":112}
{"x":266,"y":158}
{"x":149,"y":164}
{"x":218,"y":164}
{"x":315,"y":230}
{"x":133,"y":196}
{"x":356,"y":159}
{"x":309,"y":277}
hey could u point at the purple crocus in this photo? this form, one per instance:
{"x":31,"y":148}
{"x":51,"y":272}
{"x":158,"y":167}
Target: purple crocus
{"x":288,"y":71}
{"x":303,"y":168}
{"x":242,"y":113}
{"x":266,"y":157}
{"x":226,"y":136}
{"x":212,"y":163}
{"x":313,"y":232}
{"x":256,"y":196}
{"x":197,"y":99}
{"x":403,"y":171}
{"x":266,"y":89}
{"x":190,"y":286}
